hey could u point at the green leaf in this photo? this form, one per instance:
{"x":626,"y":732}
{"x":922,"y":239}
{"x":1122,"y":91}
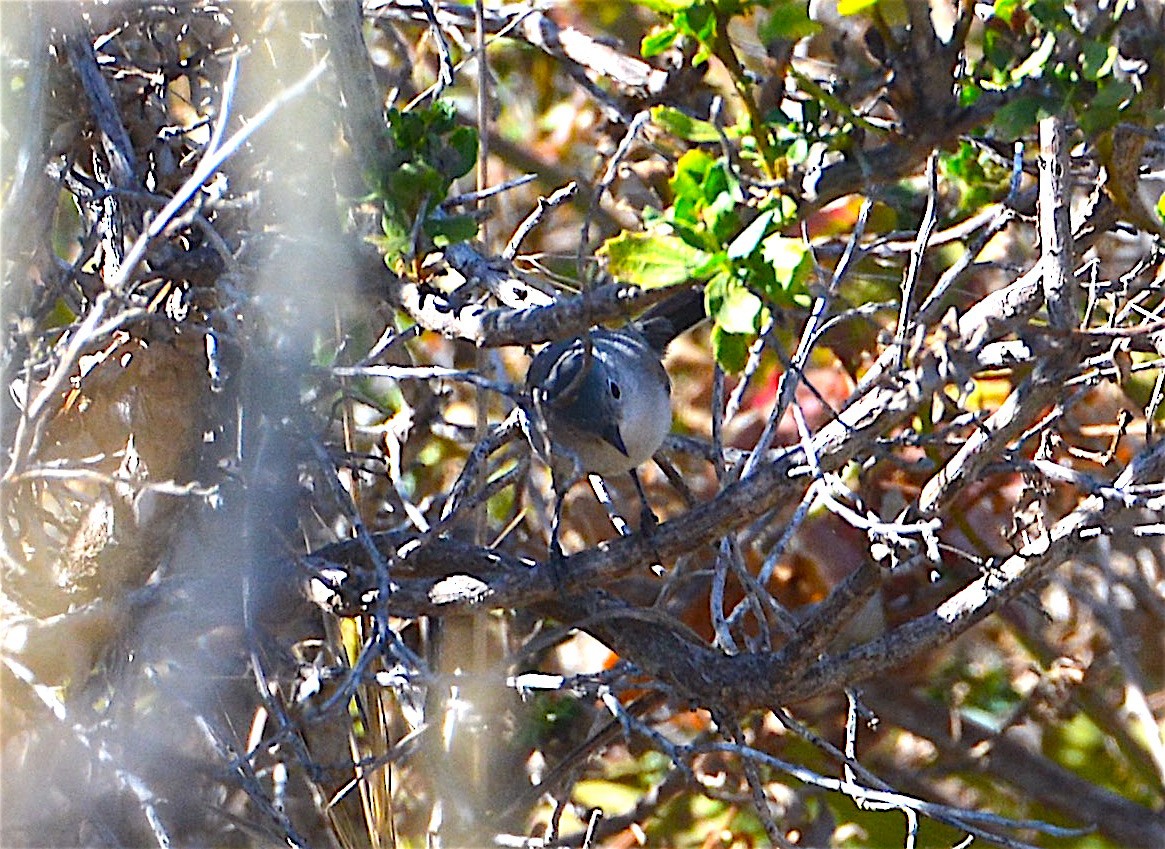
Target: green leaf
{"x":998,"y":46}
{"x":1033,"y":65}
{"x":784,"y":208}
{"x":411,"y":182}
{"x":442,"y":117}
{"x":797,"y":152}
{"x":715,"y":291}
{"x":667,"y":7}
{"x":460,"y":154}
{"x":853,"y":7}
{"x":730,"y":349}
{"x":1051,"y":13}
{"x":729,"y":8}
{"x":969,"y":94}
{"x":962,"y":164}
{"x":1105,"y":108}
{"x":408,"y":128}
{"x":790,"y":260}
{"x":740,"y":310}
{"x":1113,"y":95}
{"x":658,"y":40}
{"x":397,"y":241}
{"x":707,"y":196}
{"x":698,"y":21}
{"x":61,"y":315}
{"x":684,"y":126}
{"x":1097,"y":59}
{"x":691,"y":169}
{"x":722,"y":217}
{"x":684,"y":218}
{"x":1015,"y":118}
{"x":1004,"y":9}
{"x":719,"y":181}
{"x":450,"y":230}
{"x":653,"y":260}
{"x":788,"y":20}
{"x":750,"y":236}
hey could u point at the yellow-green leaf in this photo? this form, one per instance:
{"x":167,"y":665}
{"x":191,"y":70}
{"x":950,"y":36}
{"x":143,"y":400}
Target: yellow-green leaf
{"x":652,"y":260}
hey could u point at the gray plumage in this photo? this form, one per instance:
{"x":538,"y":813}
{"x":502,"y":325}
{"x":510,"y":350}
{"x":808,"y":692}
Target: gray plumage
{"x":605,"y":397}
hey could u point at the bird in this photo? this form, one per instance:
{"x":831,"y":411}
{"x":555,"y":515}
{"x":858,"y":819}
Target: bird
{"x":602,"y":400}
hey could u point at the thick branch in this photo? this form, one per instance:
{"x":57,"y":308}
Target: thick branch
{"x":1006,"y":757}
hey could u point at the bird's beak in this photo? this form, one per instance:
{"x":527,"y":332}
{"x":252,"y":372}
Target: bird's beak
{"x":612,"y":436}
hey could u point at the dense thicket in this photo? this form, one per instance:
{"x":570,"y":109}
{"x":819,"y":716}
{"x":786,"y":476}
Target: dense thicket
{"x":274,"y":562}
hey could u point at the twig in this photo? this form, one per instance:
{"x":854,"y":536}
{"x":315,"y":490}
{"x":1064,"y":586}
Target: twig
{"x":1056,"y":256}
{"x":612,"y":171}
{"x":922,"y":242}
{"x":32,"y":422}
{"x":488,"y":192}
{"x":559,"y":197}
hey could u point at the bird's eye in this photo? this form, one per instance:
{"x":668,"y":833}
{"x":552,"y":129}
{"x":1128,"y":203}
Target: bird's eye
{"x":614,"y":389}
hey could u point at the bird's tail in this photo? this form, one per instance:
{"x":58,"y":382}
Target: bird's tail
{"x":669,"y":318}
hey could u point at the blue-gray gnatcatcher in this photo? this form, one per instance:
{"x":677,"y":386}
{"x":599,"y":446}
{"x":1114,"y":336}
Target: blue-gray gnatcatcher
{"x":604,"y":398}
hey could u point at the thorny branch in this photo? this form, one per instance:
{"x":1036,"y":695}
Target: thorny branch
{"x":375,"y":673}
